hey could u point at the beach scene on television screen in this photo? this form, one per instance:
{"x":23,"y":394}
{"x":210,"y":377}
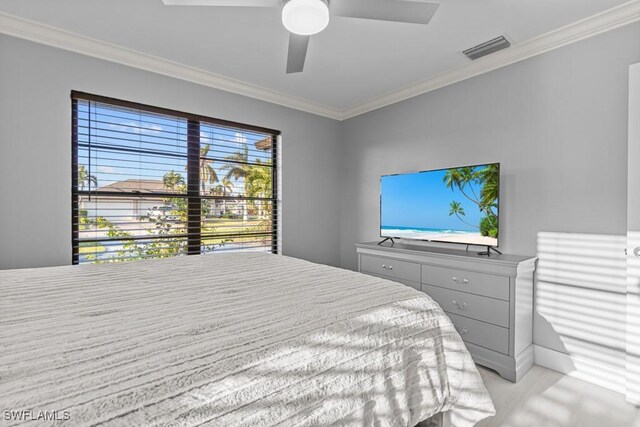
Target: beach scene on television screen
{"x":457,"y":205}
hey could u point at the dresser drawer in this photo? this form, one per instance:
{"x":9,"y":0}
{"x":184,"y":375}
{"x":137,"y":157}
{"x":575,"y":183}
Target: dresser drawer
{"x":474,"y":306}
{"x":483,"y":334}
{"x":390,"y":268}
{"x":414,"y":285}
{"x":467,"y":281}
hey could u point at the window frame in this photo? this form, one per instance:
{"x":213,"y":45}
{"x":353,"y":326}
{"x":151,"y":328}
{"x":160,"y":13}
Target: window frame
{"x":194,"y":198}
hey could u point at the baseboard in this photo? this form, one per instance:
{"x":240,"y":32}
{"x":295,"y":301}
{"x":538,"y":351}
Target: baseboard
{"x":525,"y":361}
{"x":582,"y":368}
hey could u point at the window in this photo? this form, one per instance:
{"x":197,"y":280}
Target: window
{"x":155,"y":183}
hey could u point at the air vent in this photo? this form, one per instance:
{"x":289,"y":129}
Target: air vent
{"x":487,"y":48}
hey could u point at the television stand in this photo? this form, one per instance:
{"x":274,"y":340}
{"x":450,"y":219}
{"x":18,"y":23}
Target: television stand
{"x":488,"y":251}
{"x":387,"y":238}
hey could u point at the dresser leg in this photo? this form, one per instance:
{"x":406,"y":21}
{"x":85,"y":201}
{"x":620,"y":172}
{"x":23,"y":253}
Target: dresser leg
{"x":507,"y":374}
{"x":514,"y":373}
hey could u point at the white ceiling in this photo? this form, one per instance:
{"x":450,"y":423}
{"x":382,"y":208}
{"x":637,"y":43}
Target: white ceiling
{"x":349,"y":63}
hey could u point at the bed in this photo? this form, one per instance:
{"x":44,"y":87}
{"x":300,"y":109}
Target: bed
{"x":246,"y":339}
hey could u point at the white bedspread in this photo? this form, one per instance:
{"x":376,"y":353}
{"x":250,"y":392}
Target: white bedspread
{"x":229,"y":340}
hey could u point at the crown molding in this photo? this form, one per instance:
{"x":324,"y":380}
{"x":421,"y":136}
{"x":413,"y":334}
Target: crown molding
{"x":56,"y":37}
{"x":610,"y":19}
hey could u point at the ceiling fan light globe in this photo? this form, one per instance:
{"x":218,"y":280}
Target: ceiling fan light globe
{"x":305,"y":17}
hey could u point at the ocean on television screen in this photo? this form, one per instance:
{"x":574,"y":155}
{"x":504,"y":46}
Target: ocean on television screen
{"x":386,"y":230}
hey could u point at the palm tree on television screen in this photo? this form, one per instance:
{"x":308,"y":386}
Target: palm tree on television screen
{"x":485,"y":177}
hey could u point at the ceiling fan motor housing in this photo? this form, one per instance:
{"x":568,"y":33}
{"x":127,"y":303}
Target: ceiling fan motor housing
{"x":305,"y":17}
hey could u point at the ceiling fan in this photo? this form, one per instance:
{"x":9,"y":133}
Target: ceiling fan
{"x":303,"y":18}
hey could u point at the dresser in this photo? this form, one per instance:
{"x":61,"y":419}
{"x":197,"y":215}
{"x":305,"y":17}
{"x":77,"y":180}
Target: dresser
{"x":489,"y":299}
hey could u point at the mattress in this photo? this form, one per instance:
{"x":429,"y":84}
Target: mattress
{"x":244,"y":339}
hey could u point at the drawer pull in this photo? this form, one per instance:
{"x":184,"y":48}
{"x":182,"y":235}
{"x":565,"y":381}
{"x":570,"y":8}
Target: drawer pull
{"x":454,"y":278}
{"x":390,"y":267}
{"x":462,"y":306}
{"x":463,"y":331}
{"x":465,"y":281}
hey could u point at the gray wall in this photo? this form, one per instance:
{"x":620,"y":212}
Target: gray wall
{"x":557,"y":123}
{"x":35,"y":150}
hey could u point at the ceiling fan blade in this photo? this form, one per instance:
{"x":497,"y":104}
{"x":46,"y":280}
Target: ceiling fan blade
{"x":297,"y":53}
{"x":239,"y":3}
{"x":413,"y":12}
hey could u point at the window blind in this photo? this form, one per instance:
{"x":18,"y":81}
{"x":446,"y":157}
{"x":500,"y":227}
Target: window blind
{"x":149,"y":182}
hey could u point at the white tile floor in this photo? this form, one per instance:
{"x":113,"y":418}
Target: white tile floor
{"x":545,"y":398}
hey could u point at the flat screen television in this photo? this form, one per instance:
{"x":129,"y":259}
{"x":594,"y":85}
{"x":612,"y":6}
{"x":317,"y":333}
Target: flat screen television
{"x":455,"y":205}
